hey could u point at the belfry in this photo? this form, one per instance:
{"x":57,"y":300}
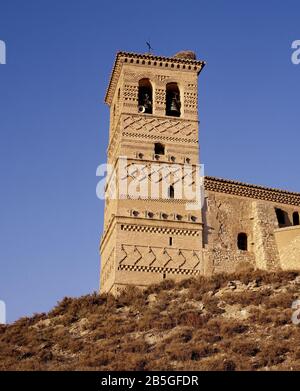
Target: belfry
{"x":153,"y":123}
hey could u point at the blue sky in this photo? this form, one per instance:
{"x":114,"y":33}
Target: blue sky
{"x":54,"y":124}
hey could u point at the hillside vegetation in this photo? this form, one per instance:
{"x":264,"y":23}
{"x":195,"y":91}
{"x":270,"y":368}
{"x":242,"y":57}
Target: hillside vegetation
{"x":226,"y":322}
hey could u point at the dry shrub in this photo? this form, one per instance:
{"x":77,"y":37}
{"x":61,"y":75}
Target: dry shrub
{"x":207,"y":335}
{"x":156,"y":288}
{"x":191,"y":351}
{"x":219,"y":363}
{"x":162,"y":363}
{"x":128,"y":362}
{"x":245,"y":348}
{"x":277,"y":317}
{"x":228,"y":327}
{"x":98,"y":359}
{"x":211,"y":304}
{"x":193,"y":318}
{"x":281,"y":300}
{"x":175,"y":352}
{"x":131,"y":297}
{"x":115,"y":331}
{"x":271,"y":354}
{"x":247,"y":298}
{"x":183,"y":335}
{"x":135,"y":346}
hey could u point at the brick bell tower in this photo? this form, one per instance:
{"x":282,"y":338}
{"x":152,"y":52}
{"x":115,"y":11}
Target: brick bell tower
{"x":153,"y":123}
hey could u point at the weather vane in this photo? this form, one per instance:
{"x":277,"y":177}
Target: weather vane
{"x":150,"y":48}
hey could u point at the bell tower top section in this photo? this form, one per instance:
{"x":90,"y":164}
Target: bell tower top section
{"x":154,"y":85}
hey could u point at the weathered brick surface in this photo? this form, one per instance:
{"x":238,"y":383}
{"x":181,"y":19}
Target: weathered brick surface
{"x":143,"y":240}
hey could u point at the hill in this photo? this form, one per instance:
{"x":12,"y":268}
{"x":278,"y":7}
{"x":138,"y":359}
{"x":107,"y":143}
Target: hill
{"x":227,"y":322}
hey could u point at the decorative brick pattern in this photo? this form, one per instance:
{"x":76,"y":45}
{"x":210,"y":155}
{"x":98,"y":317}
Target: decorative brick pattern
{"x":159,"y":230}
{"x":160,"y":138}
{"x":150,"y":269}
{"x":190,"y":100}
{"x":160,"y":97}
{"x":155,"y":126}
{"x":130,"y":92}
{"x":160,"y":257}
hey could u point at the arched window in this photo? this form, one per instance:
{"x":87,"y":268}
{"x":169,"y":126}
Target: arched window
{"x":171,"y":192}
{"x":242,"y":241}
{"x":173,"y":104}
{"x":159,"y":149}
{"x":296,"y":219}
{"x":145,"y":96}
{"x":281,"y":217}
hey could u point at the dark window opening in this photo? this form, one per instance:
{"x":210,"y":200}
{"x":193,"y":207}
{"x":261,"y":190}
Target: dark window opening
{"x":173,"y":104}
{"x":145,"y":96}
{"x":242,"y":241}
{"x":164,"y":275}
{"x":281,"y":217}
{"x":296,"y":219}
{"x":170,"y":241}
{"x":159,"y":149}
{"x":171,"y":192}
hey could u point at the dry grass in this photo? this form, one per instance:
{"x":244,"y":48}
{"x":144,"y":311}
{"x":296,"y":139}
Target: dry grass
{"x":226,"y":322}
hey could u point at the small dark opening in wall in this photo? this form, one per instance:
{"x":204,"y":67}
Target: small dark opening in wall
{"x":159,"y":149}
{"x":296,"y":219}
{"x":281,"y":217}
{"x":171,"y":192}
{"x":242,"y":241}
{"x":170,"y":241}
{"x":164,"y":275}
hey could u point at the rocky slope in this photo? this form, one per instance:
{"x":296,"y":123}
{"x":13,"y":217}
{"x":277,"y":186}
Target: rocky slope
{"x":227,"y":322}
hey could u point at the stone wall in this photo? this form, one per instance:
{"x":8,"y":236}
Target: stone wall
{"x":288,"y":242}
{"x":227,"y":215}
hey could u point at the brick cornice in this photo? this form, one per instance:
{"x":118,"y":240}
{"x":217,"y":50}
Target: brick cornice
{"x":252,"y":191}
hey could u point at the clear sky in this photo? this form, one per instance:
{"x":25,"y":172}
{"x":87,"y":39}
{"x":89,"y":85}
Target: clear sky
{"x":54,"y":124}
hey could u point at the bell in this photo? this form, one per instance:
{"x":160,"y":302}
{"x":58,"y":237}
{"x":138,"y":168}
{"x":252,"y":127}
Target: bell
{"x":173,"y":106}
{"x":147,"y":104}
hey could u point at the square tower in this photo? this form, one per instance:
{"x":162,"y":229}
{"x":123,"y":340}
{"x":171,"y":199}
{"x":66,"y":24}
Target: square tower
{"x":151,"y":234}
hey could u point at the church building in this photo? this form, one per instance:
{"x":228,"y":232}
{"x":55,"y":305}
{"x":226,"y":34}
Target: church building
{"x":154,"y":126}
